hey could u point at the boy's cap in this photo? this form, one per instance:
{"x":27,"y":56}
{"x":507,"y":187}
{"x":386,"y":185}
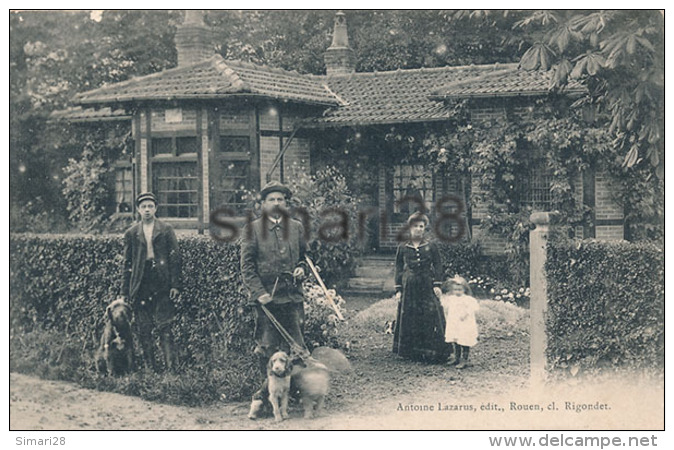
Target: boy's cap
{"x":146,"y":196}
{"x":275,"y":186}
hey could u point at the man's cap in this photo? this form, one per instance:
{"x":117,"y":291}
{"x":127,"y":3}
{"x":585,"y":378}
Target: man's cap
{"x":275,"y":186}
{"x":146,"y":196}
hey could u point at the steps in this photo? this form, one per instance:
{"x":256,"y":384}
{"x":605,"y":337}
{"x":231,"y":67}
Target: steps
{"x":373,"y":277}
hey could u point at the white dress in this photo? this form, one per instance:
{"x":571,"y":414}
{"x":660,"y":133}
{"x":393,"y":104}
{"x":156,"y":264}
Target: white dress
{"x":460,"y":317}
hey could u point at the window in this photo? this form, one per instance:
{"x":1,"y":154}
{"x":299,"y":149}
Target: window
{"x":175,"y":179}
{"x":535,"y":190}
{"x":411,"y":181}
{"x":162,"y":146}
{"x":232,"y":173}
{"x":234,"y":144}
{"x":187,"y":146}
{"x":124,"y":188}
{"x":176,"y":186}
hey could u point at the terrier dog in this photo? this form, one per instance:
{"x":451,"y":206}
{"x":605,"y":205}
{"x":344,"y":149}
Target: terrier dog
{"x":278,"y":378}
{"x":115,"y":353}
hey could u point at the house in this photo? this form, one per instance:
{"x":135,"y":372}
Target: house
{"x":210,"y":129}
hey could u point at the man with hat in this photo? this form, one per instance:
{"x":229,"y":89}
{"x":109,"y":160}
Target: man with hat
{"x":272,"y":265}
{"x":151,"y":279}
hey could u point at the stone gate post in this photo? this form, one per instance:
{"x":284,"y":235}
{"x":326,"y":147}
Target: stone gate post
{"x":538,"y":241}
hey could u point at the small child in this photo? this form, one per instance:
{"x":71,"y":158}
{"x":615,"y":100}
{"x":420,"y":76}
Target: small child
{"x":461,"y":329}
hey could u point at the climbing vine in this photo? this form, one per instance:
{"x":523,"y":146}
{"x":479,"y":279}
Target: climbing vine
{"x":88,"y":185}
{"x":500,"y":157}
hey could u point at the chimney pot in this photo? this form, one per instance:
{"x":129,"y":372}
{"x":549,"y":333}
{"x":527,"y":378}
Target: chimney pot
{"x":193,"y":39}
{"x":339,"y":57}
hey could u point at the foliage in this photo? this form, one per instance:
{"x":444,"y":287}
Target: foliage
{"x":86,"y":190}
{"x":605,"y":305}
{"x":489,"y":277}
{"x":87,"y":184}
{"x":36,"y":216}
{"x":619,"y":56}
{"x":60,"y":286}
{"x":321,"y":321}
{"x":463,"y":258}
{"x":332,"y":211}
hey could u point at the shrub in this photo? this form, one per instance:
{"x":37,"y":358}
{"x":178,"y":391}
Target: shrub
{"x":60,"y":286}
{"x":464,"y":258}
{"x":86,"y":190}
{"x":321,"y":324}
{"x":605,"y":305}
{"x":490,"y":277}
{"x":317,"y":195}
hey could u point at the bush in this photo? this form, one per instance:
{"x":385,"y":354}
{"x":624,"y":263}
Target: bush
{"x":490,"y":277}
{"x":60,"y":286}
{"x":605,"y":305}
{"x":317,"y":194}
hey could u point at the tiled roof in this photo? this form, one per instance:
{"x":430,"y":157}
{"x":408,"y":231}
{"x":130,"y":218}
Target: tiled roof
{"x":504,"y":83}
{"x":367,"y":98}
{"x":214,"y":78}
{"x":417,"y":95}
{"x":79,"y":114}
{"x":397,"y":96}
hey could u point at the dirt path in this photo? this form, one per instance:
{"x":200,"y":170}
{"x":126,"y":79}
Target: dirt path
{"x":55,"y":405}
{"x":381,"y":392}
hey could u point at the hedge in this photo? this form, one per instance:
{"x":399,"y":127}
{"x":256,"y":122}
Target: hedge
{"x":61,"y":284}
{"x":605,"y":305}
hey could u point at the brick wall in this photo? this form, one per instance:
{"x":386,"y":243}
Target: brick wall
{"x":269,"y":148}
{"x":174,"y":119}
{"x":608,"y":213}
{"x":232,"y":119}
{"x":296,"y":159}
{"x":297,"y":156}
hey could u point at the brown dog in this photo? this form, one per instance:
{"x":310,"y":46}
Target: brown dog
{"x":115,"y":353}
{"x":312,"y":379}
{"x":278,"y":379}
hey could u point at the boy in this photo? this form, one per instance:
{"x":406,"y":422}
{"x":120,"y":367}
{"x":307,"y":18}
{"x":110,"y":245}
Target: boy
{"x":151,"y":279}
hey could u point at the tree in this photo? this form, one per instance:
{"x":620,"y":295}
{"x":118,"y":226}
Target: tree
{"x":619,"y":56}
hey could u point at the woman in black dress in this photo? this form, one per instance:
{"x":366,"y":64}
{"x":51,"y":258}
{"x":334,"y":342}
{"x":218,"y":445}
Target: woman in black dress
{"x":420,"y":322}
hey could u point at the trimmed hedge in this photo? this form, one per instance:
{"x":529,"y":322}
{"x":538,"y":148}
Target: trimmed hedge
{"x":61,"y":284}
{"x":605,"y":305}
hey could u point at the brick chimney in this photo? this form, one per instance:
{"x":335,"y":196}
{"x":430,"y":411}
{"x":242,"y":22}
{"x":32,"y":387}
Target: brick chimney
{"x":339,"y":57}
{"x":193,"y":39}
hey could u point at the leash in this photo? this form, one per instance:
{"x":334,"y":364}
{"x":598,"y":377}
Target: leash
{"x":295,"y":348}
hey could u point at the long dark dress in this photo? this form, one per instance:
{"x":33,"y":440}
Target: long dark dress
{"x":420,"y":322}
